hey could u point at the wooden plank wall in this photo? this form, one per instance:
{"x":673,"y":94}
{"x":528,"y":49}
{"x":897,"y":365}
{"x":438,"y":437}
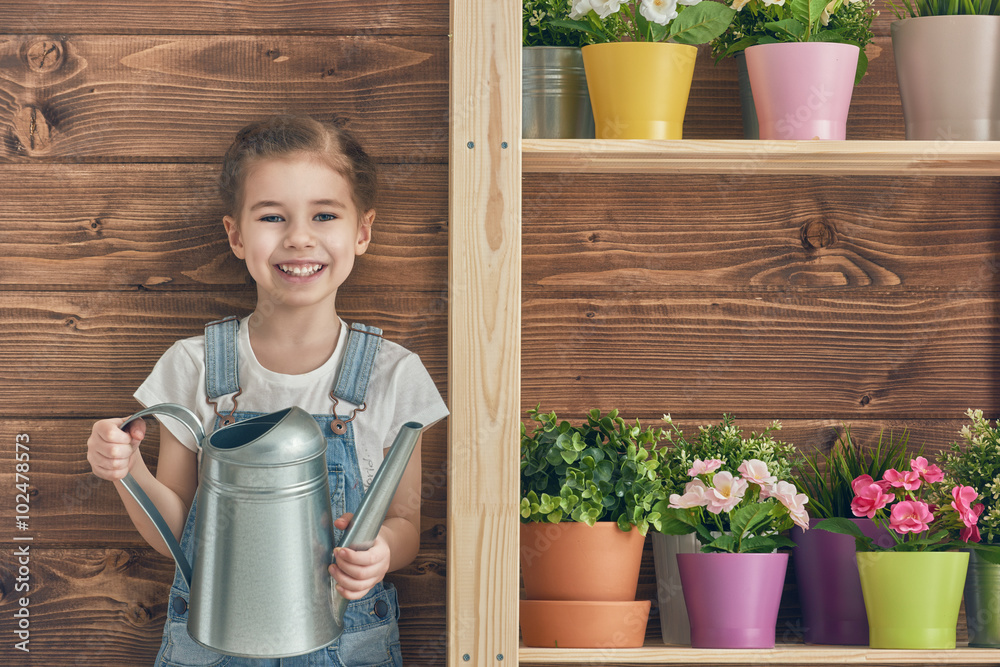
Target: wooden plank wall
{"x":819,"y":301}
{"x":113,"y":117}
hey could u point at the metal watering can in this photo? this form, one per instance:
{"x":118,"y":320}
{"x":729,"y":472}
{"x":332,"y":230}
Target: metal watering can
{"x":260,"y":584}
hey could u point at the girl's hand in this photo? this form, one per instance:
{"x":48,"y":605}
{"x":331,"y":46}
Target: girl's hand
{"x":356,"y":572}
{"x":113,"y":452}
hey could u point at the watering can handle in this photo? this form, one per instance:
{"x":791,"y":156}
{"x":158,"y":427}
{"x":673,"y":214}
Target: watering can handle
{"x":190,"y":421}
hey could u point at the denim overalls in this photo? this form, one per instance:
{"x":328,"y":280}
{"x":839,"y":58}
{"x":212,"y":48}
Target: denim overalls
{"x":371,"y":636}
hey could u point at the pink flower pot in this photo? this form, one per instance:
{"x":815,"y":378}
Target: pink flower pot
{"x":732,"y":599}
{"x":802,"y":90}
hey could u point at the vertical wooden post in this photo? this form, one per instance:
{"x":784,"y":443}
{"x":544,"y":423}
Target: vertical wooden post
{"x":484,"y":329}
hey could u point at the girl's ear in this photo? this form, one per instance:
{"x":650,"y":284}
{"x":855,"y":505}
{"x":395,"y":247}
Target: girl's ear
{"x":364,"y":232}
{"x":235,"y":238}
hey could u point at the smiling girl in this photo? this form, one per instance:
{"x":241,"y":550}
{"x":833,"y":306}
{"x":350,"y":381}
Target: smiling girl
{"x":300,"y":204}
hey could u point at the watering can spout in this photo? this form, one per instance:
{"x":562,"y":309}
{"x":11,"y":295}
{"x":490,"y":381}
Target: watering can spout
{"x":190,"y":421}
{"x":367,"y":521}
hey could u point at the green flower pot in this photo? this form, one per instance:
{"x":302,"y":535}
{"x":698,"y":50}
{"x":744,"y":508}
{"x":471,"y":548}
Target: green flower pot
{"x":912,"y":598}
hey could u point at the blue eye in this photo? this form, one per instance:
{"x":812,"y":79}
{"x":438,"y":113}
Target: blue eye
{"x":324,"y":217}
{"x":271,"y":218}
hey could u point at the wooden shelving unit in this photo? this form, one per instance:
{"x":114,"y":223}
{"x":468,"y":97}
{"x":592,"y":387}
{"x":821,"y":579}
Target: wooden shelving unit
{"x":487,"y":161}
{"x":830,"y":158}
{"x":788,"y":654}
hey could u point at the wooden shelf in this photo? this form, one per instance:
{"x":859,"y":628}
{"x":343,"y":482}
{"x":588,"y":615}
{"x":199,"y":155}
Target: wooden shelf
{"x":829,"y":158}
{"x":787,"y":654}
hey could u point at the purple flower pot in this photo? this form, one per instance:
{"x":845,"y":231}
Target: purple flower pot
{"x":732,"y":599}
{"x":826,"y":572}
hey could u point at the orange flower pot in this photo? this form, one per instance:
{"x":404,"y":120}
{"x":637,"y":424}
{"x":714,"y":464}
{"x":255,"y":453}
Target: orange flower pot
{"x":581,"y":624}
{"x":574,"y":561}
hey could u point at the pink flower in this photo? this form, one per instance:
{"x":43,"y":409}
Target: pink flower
{"x":863,"y":481}
{"x":970,"y":533}
{"x":908,"y":480}
{"x":727,"y":493}
{"x":789,"y":496}
{"x":964,"y":495}
{"x":930,"y":474}
{"x":800,"y":519}
{"x":756,"y":471}
{"x":868,"y":499}
{"x":910,"y":516}
{"x":702,"y":467}
{"x":694,"y":495}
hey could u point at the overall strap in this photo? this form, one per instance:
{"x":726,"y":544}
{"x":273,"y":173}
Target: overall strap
{"x":221,"y":364}
{"x":363,"y":344}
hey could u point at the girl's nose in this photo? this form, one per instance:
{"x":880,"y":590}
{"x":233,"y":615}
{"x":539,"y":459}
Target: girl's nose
{"x":299,"y":235}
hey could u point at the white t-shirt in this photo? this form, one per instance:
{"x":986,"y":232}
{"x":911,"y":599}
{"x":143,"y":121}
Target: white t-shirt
{"x":400,"y":390}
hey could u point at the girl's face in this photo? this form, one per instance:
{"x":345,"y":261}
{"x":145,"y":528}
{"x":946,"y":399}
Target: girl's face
{"x":298,"y":231}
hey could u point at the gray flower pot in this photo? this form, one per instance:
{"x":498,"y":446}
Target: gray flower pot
{"x":674,"y":624}
{"x":982,"y":603}
{"x":555,"y":103}
{"x":948,"y":68}
{"x":750,"y":127}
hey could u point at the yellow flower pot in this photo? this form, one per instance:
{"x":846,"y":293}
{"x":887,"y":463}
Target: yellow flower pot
{"x":639,"y":90}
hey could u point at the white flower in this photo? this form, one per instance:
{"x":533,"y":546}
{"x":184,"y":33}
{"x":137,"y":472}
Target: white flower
{"x":606,"y":8}
{"x":580,"y":9}
{"x":739,"y":4}
{"x":830,"y":7}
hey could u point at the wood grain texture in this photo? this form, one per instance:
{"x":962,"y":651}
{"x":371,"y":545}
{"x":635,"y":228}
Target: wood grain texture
{"x":345,"y":17}
{"x":129,"y":226}
{"x":755,"y":233}
{"x":484,"y":286}
{"x":182,"y":98}
{"x":771,"y":356}
{"x":100,"y":607}
{"x":82,"y":354}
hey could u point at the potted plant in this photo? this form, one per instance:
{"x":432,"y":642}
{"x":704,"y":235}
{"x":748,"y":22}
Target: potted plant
{"x":640,"y":64}
{"x":724,"y":442}
{"x":732,"y":588}
{"x":826,"y":570}
{"x":587,"y":498}
{"x":802,"y":60}
{"x":554,"y":99}
{"x":947,"y":56}
{"x":913,"y":587}
{"x":976,"y":463}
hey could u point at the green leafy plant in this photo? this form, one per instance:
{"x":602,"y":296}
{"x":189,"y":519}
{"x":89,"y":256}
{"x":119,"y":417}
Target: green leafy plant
{"x":915,"y":8}
{"x":538,"y":29}
{"x":768,"y":22}
{"x":680,"y":21}
{"x":602,"y":470}
{"x":725,"y":442}
{"x":976,"y":463}
{"x":827,"y":479}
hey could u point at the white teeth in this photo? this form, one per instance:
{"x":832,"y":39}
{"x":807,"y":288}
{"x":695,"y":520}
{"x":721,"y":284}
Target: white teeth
{"x":300,"y":269}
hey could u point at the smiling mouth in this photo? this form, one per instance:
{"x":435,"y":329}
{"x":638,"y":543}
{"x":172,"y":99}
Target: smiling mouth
{"x":300,"y":270}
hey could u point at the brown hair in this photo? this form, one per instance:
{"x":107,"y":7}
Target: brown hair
{"x":281,"y":136}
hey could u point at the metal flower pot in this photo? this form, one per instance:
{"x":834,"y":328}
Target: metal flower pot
{"x":948,"y":69}
{"x":749,"y":112}
{"x":554,"y":99}
{"x":982,"y":603}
